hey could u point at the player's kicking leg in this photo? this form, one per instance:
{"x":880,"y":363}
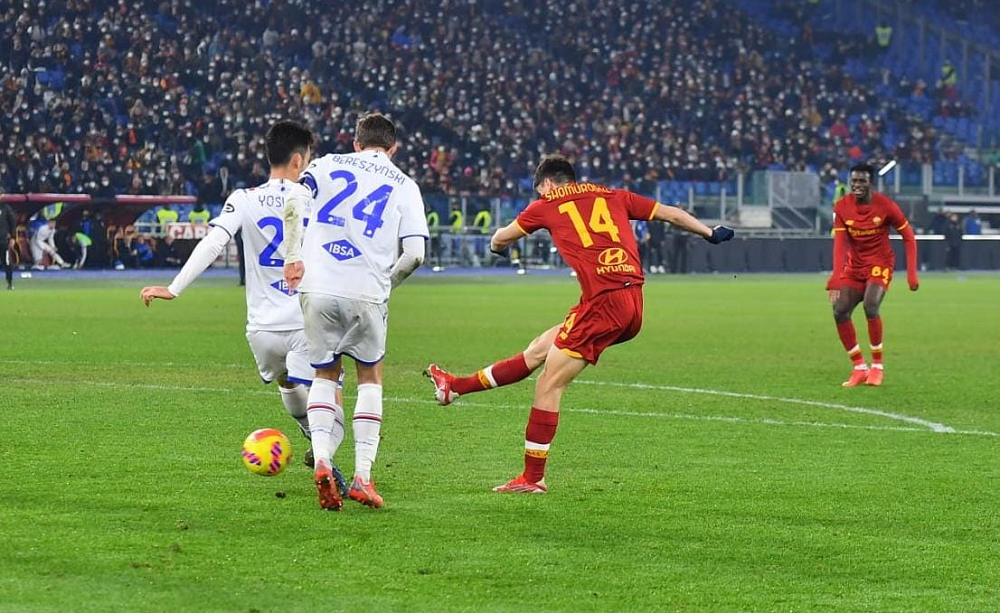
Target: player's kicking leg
{"x":874,"y":294}
{"x":448,"y":387}
{"x":844,"y":301}
{"x":560,"y":370}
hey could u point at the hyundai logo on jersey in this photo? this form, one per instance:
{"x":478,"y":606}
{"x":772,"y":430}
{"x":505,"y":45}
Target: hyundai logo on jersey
{"x":342,"y":250}
{"x":282,"y":287}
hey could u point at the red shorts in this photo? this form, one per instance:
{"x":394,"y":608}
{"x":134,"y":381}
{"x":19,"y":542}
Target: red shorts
{"x":594,"y":325}
{"x":857,"y":277}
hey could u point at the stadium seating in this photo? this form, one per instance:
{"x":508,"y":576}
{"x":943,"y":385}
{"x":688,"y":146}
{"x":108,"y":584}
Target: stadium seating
{"x":686,"y":94}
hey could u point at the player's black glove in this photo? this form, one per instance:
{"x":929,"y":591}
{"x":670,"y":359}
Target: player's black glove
{"x":720,"y":234}
{"x":504,"y":253}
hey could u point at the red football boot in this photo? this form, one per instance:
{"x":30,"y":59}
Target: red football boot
{"x":326,"y":487}
{"x":858,"y":376}
{"x":874,"y":377}
{"x":365,"y":493}
{"x":442,"y":384}
{"x":522,"y":486}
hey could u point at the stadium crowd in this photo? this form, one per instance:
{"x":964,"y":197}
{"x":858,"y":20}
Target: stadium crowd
{"x":172,"y":97}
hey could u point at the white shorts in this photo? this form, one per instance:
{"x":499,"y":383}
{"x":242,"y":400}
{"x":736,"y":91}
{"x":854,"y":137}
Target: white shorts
{"x":338,"y":326}
{"x":281,"y":353}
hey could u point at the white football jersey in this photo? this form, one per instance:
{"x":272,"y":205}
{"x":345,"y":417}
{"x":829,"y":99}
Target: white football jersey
{"x":257,"y":211}
{"x":362,"y":205}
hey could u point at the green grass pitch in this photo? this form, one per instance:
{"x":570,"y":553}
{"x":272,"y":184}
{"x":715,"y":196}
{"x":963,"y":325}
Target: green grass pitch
{"x":712,"y":464}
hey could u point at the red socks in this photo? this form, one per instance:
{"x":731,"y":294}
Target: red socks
{"x":504,"y":372}
{"x":849,"y":338}
{"x":537,"y":437}
{"x":875,"y":336}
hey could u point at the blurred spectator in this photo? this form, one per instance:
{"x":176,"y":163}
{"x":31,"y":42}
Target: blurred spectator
{"x":123,"y":251}
{"x":953,"y":243}
{"x":973,"y":225}
{"x":44,"y":242}
{"x":165,"y":215}
{"x":81,"y":243}
{"x":883,"y":36}
{"x":8,"y":231}
{"x":939,"y":223}
{"x":166,"y":254}
{"x":142,"y":252}
{"x":198,"y":215}
{"x":679,"y":247}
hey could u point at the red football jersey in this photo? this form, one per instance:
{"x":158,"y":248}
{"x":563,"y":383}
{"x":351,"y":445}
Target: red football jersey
{"x":867,"y":228}
{"x":590,"y":227}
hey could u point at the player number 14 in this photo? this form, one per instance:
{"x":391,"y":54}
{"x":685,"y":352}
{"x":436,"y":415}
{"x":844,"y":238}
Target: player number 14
{"x":600,"y":221}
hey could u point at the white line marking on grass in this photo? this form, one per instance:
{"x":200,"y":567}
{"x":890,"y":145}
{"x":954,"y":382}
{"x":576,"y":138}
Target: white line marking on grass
{"x":481,"y":405}
{"x":936,"y":427}
{"x":248,"y":364}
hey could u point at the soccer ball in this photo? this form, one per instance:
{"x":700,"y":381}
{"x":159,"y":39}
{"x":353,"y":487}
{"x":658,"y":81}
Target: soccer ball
{"x":266,"y":452}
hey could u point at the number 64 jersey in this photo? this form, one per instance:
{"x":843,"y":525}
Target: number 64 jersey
{"x":257,"y":211}
{"x":362,"y":206}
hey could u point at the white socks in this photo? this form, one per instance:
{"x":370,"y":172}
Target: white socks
{"x":367,"y":424}
{"x":295,"y":400}
{"x":326,"y":420}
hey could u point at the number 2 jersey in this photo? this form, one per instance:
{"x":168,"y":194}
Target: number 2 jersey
{"x":362,"y":206}
{"x":257,"y":211}
{"x":867,"y":229}
{"x":590,"y":226}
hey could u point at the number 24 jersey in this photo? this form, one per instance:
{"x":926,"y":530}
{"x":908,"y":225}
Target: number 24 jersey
{"x":362,"y":205}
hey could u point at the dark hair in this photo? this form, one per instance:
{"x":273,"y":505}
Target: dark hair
{"x":375,"y":130}
{"x":865,"y":168}
{"x":285,"y":139}
{"x":554,"y":167}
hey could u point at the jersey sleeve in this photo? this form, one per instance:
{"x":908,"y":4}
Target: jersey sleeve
{"x":308,"y":178}
{"x":231,"y":217}
{"x":532,"y":218}
{"x":838,"y":220}
{"x":638,"y":207}
{"x":412,"y":221}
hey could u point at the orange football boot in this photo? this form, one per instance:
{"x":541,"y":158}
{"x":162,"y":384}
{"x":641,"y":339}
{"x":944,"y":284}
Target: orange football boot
{"x":858,"y":376}
{"x":522,"y":486}
{"x":326,"y":487}
{"x":874,"y":377}
{"x":365,"y":493}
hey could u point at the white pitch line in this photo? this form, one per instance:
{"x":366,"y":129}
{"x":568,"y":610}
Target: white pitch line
{"x":935,"y":426}
{"x":248,"y":364}
{"x":586,"y":411}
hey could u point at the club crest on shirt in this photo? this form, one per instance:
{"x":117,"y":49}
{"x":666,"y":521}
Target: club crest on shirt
{"x":282,"y":287}
{"x":342,"y":250}
{"x":849,"y":222}
{"x":876,"y":219}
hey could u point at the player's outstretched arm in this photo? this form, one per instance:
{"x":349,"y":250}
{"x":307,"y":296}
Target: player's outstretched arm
{"x":680,"y":218}
{"x":206,"y":252}
{"x":505,"y":237}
